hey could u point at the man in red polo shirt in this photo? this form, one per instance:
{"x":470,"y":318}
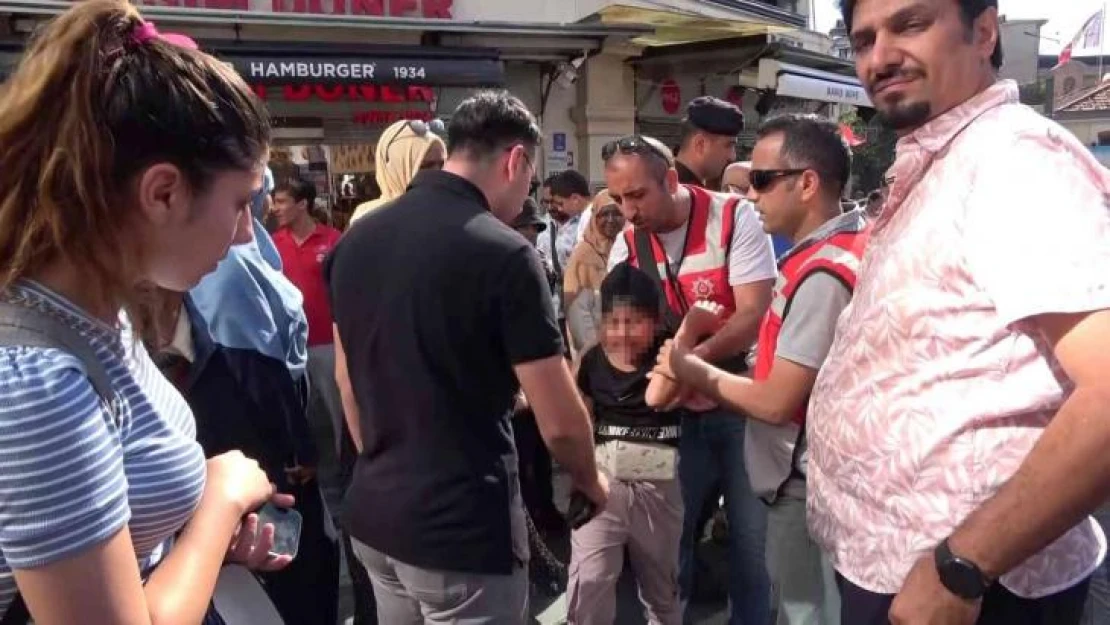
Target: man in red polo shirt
{"x":303,"y":244}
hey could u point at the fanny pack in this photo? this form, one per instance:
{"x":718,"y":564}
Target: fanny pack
{"x":631,"y":462}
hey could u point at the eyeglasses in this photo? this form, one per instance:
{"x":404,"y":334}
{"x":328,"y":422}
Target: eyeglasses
{"x":632,"y":144}
{"x":419,"y":128}
{"x":761,"y":179}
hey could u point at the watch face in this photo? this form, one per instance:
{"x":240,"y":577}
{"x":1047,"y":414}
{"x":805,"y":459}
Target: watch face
{"x":962,"y":578}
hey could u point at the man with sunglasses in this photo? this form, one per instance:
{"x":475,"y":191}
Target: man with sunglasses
{"x":959,"y":428}
{"x":440,"y":308}
{"x":702,"y":245}
{"x":799,"y":169}
{"x":708,"y":142}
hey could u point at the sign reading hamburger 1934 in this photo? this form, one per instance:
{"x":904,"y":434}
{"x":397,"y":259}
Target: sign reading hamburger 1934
{"x":386,"y":70}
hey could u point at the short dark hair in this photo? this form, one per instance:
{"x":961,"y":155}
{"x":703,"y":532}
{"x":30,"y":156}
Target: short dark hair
{"x":569,"y":182}
{"x":627,"y":285}
{"x":299,"y":190}
{"x":686,"y":134}
{"x":812,"y":142}
{"x":488,"y":122}
{"x":969,"y":11}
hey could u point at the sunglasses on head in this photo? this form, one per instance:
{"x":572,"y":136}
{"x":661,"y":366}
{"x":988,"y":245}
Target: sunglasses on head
{"x":762,"y":179}
{"x":632,"y":144}
{"x":419,"y":128}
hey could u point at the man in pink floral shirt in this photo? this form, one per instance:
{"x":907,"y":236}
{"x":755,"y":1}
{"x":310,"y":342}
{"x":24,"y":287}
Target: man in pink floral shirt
{"x":960,"y":428}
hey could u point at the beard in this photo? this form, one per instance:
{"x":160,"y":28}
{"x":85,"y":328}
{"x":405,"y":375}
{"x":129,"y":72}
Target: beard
{"x":903,"y":116}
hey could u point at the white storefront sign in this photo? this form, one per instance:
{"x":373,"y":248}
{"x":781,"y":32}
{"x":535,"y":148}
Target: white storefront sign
{"x":805,"y":83}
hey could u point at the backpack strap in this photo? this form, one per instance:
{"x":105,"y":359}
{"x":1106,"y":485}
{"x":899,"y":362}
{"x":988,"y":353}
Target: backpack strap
{"x":555,"y":264}
{"x":23,"y":327}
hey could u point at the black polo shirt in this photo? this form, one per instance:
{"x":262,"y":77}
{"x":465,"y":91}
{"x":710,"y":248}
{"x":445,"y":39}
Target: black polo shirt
{"x":687,"y":175}
{"x":436,"y":300}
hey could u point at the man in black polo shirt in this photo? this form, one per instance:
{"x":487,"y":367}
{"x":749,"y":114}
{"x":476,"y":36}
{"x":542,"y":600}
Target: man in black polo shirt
{"x":440,"y":308}
{"x":708,"y":142}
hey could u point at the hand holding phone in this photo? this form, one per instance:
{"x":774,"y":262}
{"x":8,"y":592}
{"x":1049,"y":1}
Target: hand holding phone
{"x":287,"y":529}
{"x":267,"y":539}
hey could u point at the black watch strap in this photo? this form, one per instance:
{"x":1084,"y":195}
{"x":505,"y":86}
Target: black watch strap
{"x":960,"y":576}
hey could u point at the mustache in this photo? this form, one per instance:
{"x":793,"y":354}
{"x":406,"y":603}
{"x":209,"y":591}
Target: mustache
{"x":889,"y":74}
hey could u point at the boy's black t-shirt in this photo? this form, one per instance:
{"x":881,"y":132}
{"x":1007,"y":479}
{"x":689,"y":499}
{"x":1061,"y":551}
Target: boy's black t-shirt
{"x":619,"y":402}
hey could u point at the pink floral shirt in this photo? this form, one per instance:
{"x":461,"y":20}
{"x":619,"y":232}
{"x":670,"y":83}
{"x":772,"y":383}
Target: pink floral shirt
{"x":937,"y":385}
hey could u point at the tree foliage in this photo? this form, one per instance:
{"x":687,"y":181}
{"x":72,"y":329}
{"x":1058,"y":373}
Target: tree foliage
{"x":872,"y":158}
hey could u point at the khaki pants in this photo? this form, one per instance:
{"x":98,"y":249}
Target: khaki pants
{"x":647,"y":518}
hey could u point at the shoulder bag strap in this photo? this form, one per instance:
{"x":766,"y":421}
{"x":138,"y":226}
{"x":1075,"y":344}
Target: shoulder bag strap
{"x":645,"y":259}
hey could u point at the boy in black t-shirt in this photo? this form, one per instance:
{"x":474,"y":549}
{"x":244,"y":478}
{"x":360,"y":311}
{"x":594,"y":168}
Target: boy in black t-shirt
{"x":637,"y":447}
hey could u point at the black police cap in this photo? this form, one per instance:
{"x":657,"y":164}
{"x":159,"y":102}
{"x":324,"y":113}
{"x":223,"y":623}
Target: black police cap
{"x":715,"y":116}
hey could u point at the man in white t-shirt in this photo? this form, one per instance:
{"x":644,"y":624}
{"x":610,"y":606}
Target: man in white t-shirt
{"x":708,"y":246}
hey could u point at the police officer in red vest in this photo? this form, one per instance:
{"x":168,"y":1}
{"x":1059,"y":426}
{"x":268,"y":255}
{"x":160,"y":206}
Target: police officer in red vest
{"x":703,"y":246}
{"x":800,"y":167}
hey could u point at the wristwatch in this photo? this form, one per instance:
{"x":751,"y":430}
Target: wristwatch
{"x":960,"y":576}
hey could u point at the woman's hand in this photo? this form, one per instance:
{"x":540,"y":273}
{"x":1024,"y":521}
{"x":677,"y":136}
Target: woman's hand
{"x":236,"y":480}
{"x":251,"y":544}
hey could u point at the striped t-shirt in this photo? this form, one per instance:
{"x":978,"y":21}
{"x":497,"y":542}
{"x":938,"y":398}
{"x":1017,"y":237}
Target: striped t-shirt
{"x":74,"y":473}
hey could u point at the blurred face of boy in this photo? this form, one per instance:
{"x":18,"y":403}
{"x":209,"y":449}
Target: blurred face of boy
{"x":627,"y":335}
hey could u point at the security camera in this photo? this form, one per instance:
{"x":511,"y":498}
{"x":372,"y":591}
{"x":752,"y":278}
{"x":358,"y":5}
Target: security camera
{"x":568,"y":72}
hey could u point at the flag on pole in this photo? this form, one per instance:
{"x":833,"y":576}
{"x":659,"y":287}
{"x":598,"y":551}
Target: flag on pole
{"x":1089,"y":37}
{"x":850,"y":137}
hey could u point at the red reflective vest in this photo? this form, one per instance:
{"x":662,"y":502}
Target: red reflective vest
{"x":703,"y":268}
{"x":838,"y":255}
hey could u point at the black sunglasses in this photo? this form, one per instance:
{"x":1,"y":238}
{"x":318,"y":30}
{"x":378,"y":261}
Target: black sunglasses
{"x":761,"y":179}
{"x":420,"y":128}
{"x":632,"y":144}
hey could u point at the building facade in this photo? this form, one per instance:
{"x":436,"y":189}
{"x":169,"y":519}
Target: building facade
{"x":335,"y":73}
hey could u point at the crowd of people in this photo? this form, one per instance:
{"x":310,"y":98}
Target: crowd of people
{"x":902,"y":406}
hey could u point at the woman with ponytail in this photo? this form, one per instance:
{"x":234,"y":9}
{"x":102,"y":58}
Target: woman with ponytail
{"x":128,"y":160}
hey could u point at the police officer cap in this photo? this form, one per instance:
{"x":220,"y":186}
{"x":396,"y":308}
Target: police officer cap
{"x":715,"y":116}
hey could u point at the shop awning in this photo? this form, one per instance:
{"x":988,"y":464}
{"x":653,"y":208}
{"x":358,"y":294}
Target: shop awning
{"x":672,"y":27}
{"x":797,"y":81}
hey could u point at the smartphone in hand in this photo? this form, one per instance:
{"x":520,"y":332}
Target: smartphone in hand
{"x":287,"y":528}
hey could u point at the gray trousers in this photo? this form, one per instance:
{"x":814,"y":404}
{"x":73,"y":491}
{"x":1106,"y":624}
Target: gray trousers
{"x":802,"y":580}
{"x":321,"y":380}
{"x":408,"y":595}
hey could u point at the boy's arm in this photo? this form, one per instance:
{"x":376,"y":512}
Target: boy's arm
{"x":802,"y":345}
{"x":662,"y":391}
{"x":703,"y":320}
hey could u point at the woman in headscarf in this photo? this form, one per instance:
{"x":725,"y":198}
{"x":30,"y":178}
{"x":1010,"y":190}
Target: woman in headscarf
{"x":586,"y":269}
{"x":404,"y":149}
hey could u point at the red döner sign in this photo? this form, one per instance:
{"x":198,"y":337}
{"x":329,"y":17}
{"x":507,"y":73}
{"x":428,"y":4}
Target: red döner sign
{"x":431,"y":9}
{"x":357,"y":93}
